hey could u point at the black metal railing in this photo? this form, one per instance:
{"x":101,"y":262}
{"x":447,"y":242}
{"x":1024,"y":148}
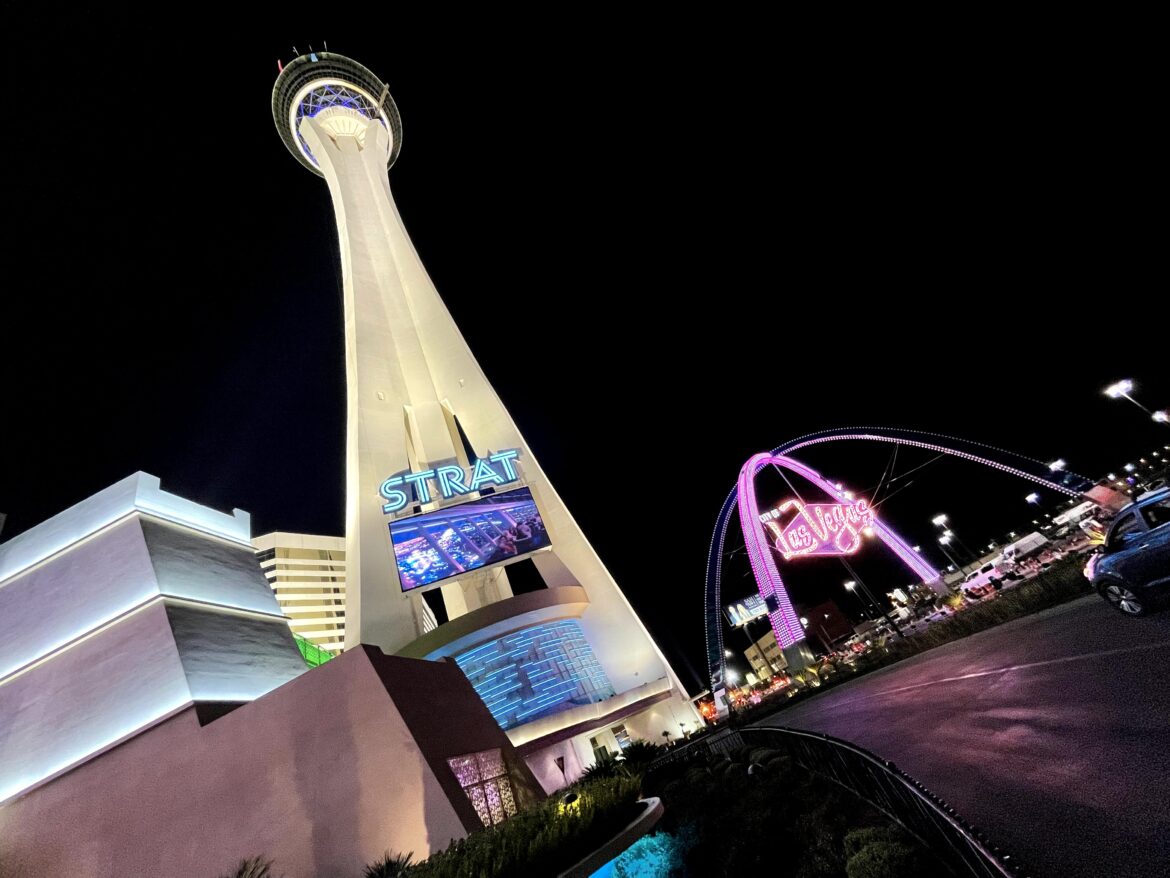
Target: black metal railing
{"x":880,"y":783}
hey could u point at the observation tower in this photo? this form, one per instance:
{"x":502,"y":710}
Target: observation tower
{"x":442,"y":491}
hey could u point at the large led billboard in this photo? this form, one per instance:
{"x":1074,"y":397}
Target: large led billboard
{"x":743,"y":611}
{"x":438,"y":545}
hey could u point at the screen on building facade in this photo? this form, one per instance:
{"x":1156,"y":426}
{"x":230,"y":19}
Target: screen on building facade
{"x":438,"y":545}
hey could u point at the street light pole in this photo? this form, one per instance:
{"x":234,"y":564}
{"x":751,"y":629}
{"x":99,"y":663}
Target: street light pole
{"x":1121,"y":390}
{"x":940,"y":521}
{"x":851,"y":587}
{"x":943,"y":542}
{"x":857,"y":581}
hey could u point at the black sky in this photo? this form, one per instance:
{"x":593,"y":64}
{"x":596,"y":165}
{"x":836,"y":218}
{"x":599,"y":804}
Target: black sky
{"x":668,"y":251}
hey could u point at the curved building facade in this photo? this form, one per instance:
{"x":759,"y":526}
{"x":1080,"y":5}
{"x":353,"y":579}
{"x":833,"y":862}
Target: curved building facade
{"x":443,"y":494}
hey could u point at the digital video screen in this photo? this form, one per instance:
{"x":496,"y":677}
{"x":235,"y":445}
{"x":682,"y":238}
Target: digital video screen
{"x":438,"y":545}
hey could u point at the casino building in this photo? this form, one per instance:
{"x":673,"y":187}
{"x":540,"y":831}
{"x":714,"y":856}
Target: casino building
{"x":307,"y":575}
{"x":457,"y":545}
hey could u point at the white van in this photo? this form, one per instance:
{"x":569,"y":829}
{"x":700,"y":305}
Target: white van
{"x":1023,"y":548}
{"x":983,"y":581}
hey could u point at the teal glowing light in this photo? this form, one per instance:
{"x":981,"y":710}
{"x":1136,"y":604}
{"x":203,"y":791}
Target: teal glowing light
{"x":452,"y":480}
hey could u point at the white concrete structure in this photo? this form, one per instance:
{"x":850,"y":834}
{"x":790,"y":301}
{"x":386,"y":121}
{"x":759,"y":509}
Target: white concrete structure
{"x":765,"y":657}
{"x":307,"y":573}
{"x":120,"y":612}
{"x":418,"y":399}
{"x":323,"y":775}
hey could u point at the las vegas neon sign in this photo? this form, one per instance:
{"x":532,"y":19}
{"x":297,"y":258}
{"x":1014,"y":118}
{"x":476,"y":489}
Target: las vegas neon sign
{"x":817,"y":528}
{"x":451,"y":480}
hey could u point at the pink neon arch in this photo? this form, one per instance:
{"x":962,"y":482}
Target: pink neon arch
{"x":785,"y":622}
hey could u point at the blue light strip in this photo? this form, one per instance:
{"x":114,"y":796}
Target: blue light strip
{"x":535,"y":672}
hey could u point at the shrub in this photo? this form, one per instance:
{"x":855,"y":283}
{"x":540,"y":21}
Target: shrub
{"x":253,"y":867}
{"x":542,"y":840}
{"x":606,"y":766}
{"x":732,"y":813}
{"x":889,"y":859}
{"x":390,"y":866}
{"x":639,"y":754}
{"x":858,"y":839}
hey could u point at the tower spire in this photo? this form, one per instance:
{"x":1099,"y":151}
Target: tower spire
{"x":416,"y":399}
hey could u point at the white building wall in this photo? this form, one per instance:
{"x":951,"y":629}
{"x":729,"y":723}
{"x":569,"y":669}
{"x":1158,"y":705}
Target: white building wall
{"x":117,"y":629}
{"x":89,"y":698}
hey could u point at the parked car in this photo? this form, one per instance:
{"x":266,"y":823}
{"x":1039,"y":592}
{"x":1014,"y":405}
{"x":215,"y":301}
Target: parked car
{"x":1132,"y":569}
{"x":983,"y":581}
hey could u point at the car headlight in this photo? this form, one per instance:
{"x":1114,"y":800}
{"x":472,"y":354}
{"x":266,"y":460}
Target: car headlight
{"x":1091,"y":566}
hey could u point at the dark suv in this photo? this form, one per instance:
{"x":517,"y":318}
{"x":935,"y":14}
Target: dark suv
{"x":1132,"y":569}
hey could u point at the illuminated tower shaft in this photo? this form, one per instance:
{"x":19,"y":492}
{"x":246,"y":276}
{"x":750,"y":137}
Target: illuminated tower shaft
{"x":416,"y":396}
{"x":399,"y":411}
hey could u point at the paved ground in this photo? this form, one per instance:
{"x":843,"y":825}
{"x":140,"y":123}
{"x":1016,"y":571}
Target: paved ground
{"x":1051,"y":734}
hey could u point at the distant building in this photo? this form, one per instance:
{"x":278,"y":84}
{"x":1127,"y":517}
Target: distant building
{"x":307,"y":573}
{"x":828,"y":624}
{"x":766,"y":657}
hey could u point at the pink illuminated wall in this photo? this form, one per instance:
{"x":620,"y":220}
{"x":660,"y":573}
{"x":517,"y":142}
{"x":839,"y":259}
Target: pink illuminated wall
{"x":785,"y":621}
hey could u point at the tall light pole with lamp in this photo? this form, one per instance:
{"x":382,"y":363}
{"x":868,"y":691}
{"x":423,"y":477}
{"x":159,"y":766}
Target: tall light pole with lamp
{"x":940,"y":521}
{"x":1122,"y":389}
{"x":1034,"y":500}
{"x":943,"y":542}
{"x":851,"y":587}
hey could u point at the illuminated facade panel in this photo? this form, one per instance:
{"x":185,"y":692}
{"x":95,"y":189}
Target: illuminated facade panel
{"x":535,"y":672}
{"x":484,"y":778}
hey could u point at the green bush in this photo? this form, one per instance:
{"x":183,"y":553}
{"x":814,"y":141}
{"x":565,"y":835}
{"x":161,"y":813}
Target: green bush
{"x":253,"y":867}
{"x":889,"y":859}
{"x":639,"y":754}
{"x":858,"y":839}
{"x":542,"y":840}
{"x":754,"y":811}
{"x":390,"y":866}
{"x":606,"y":766}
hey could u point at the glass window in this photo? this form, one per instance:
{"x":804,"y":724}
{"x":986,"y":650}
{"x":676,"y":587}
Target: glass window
{"x":622,"y":736}
{"x":1158,"y":513}
{"x":1124,"y":526}
{"x":484,"y":778}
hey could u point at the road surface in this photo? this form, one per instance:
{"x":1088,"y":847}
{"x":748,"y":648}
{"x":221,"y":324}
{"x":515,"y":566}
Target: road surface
{"x":1051,"y":734}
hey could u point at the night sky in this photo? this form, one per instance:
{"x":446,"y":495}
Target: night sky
{"x":668,"y":252}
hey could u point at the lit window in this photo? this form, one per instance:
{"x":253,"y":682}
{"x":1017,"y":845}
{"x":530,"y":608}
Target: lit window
{"x":485,"y":780}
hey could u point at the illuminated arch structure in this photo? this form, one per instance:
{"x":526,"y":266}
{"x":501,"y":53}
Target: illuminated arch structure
{"x":784,"y":619}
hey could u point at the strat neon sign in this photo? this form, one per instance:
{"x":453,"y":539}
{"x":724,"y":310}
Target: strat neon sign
{"x":817,"y":528}
{"x":451,"y":480}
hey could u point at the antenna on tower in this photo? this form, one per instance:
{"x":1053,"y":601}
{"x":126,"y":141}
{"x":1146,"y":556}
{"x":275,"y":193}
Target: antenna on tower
{"x":295,"y":52}
{"x":326,"y":45}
